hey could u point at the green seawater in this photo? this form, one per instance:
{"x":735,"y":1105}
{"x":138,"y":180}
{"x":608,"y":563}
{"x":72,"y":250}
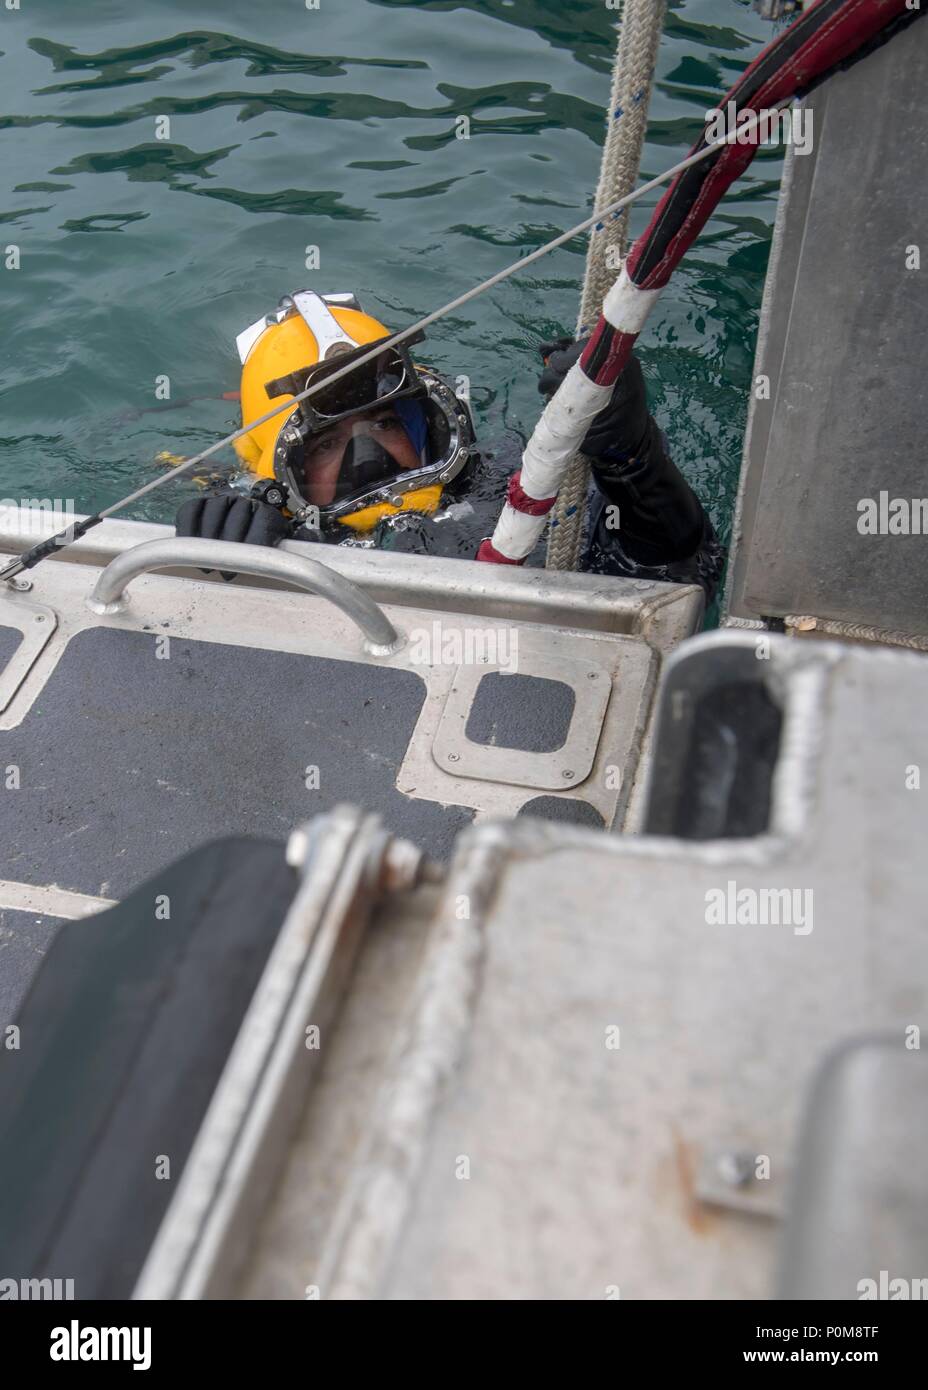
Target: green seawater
{"x":335,"y":128}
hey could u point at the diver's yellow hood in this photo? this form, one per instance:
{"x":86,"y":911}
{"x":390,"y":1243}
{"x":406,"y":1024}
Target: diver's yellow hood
{"x":422,"y":499}
{"x":286,"y":344}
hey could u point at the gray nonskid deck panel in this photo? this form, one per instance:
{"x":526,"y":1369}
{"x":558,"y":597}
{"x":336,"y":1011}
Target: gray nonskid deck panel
{"x":24,"y":939}
{"x":127,"y":761}
{"x":10,"y":638}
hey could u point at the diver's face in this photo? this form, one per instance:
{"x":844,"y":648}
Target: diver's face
{"x":322,"y":458}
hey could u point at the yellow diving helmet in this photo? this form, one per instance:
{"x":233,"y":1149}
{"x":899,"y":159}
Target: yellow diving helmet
{"x":384,"y":439}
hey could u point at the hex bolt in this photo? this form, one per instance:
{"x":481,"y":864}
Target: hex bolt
{"x":401,"y":867}
{"x":297,"y":845}
{"x":735,"y":1168}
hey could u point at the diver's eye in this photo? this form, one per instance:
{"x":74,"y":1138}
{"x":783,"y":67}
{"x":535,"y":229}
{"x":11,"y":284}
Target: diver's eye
{"x":386,"y":422}
{"x":322,"y":448}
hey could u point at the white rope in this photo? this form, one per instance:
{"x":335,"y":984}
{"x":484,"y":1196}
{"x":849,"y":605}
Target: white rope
{"x":639,"y":31}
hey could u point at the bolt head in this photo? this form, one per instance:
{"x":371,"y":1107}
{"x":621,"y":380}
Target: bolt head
{"x":735,"y":1169}
{"x":297,"y":845}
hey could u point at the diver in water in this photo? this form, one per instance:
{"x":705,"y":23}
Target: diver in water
{"x":386,"y":456}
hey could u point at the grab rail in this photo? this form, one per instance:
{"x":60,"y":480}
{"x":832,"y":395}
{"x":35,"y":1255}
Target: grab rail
{"x":381,"y":637}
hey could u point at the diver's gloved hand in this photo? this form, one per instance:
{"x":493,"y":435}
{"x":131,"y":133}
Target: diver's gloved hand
{"x":558,"y":357}
{"x":621,"y":429}
{"x":229,"y":516}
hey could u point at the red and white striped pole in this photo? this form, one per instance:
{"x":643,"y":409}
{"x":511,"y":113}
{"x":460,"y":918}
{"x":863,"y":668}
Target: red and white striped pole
{"x":585,"y":390}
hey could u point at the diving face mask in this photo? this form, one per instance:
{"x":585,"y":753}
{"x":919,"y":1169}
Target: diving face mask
{"x":399,"y":431}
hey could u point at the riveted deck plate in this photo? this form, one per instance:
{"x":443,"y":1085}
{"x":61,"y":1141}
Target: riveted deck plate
{"x":25,"y":627}
{"x":541,"y":684}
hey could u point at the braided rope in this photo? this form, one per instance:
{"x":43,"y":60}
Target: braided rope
{"x":639,"y":31}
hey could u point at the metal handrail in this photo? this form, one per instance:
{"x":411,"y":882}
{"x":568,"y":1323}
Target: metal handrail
{"x":381,"y":637}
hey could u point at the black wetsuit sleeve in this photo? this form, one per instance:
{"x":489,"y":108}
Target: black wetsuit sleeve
{"x":645,"y":519}
{"x":653,"y":506}
{"x":647,"y":523}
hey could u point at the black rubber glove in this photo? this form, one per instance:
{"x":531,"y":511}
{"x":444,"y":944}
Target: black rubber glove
{"x":621,"y":428}
{"x":228,"y":516}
